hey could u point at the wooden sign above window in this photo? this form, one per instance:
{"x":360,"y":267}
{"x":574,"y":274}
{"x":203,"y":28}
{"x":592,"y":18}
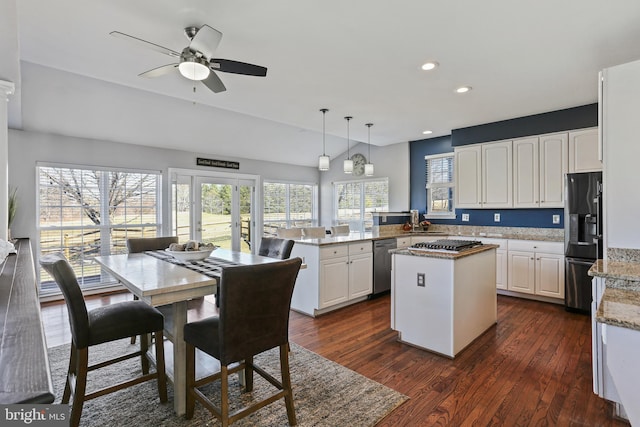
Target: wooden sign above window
{"x":217,"y":163}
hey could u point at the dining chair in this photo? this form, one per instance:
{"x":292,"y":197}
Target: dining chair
{"x":314,"y":232}
{"x":142,"y":244}
{"x":255,"y":301}
{"x":289,"y":233}
{"x":274,"y":247}
{"x":101,"y":325}
{"x":340,"y":229}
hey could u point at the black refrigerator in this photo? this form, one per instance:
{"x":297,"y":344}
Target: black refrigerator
{"x":582,"y":236}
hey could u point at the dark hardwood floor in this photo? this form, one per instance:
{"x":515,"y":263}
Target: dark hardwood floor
{"x":532,"y":369}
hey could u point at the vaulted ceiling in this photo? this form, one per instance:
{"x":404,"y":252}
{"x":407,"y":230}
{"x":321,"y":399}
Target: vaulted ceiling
{"x":359,"y":57}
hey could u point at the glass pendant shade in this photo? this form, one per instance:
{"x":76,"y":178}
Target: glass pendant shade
{"x":368,"y":169}
{"x":324,"y":160}
{"x":348,"y":166}
{"x":323,"y":163}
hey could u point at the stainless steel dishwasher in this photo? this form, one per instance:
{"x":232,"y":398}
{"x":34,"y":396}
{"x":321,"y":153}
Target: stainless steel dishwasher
{"x":382,"y":264}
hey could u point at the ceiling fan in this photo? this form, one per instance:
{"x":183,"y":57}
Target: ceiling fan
{"x":196,"y":61}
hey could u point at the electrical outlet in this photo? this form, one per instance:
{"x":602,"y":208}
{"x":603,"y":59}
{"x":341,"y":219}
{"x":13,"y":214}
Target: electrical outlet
{"x":465,"y":217}
{"x":556,"y":219}
{"x":496,"y":217}
{"x":421,"y":280}
{"x":384,"y":218}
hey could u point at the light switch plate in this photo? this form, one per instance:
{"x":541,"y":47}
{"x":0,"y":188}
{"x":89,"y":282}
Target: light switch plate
{"x":384,"y":218}
{"x":556,"y":219}
{"x":421,"y":280}
{"x":496,"y":217}
{"x":465,"y":217}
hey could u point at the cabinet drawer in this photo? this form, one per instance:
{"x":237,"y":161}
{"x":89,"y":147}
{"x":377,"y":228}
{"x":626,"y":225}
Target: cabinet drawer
{"x":537,"y":246}
{"x":360,"y":248}
{"x":403,"y":242}
{"x":334,"y":251}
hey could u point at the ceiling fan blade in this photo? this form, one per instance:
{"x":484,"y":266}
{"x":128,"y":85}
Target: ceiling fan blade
{"x":206,"y":41}
{"x":237,"y":67}
{"x":146,"y":44}
{"x":214,"y":83}
{"x":160,"y":71}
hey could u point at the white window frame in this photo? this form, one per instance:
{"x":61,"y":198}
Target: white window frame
{"x":357,"y":225}
{"x":451,"y":185}
{"x":105,"y":226}
{"x":290,"y":222}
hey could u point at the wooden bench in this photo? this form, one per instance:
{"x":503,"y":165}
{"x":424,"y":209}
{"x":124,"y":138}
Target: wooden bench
{"x":25,"y":376}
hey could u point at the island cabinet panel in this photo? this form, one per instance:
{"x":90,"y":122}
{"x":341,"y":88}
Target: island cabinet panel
{"x":336,"y":275}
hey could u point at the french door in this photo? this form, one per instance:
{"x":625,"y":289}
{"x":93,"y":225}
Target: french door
{"x":220,"y":209}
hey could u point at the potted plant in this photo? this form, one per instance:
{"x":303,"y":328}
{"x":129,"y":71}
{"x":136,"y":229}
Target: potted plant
{"x":12,"y":209}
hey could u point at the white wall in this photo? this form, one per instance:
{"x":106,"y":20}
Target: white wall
{"x":28,"y":148}
{"x":621,"y":111}
{"x":391,"y":161}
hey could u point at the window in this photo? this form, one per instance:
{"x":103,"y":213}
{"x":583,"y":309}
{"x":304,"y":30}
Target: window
{"x":84,"y":213}
{"x":289,"y":205}
{"x":355,"y":202}
{"x":440,"y":185}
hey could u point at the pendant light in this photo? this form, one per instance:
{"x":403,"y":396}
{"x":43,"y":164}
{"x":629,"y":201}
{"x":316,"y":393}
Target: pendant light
{"x":324,"y":160}
{"x":348,"y":163}
{"x":368,"y":167}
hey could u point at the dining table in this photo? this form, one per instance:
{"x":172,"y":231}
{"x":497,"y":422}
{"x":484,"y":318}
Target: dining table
{"x":160,"y":280}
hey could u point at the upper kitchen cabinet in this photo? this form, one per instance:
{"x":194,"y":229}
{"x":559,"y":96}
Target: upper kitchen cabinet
{"x":468,"y":167}
{"x":584,"y":151}
{"x":539,"y":166}
{"x":484,"y":175}
{"x":497,"y":170}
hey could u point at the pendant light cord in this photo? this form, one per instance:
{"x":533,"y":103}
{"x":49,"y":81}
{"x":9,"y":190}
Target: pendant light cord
{"x":368,"y":125}
{"x":324,"y":112}
{"x":347,"y":119}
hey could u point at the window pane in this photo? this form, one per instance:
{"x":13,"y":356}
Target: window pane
{"x":72,"y":204}
{"x":356,"y":201}
{"x":440,"y":184}
{"x":288,"y":205}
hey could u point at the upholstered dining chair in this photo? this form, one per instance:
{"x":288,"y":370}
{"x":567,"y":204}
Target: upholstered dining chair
{"x":102,"y":325}
{"x":340,"y":229}
{"x":314,"y":232}
{"x":289,"y":233}
{"x":142,"y":244}
{"x":274,"y":247}
{"x":254,"y":317}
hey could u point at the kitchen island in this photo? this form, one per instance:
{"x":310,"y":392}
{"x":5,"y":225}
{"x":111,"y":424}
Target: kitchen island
{"x":442,"y":301}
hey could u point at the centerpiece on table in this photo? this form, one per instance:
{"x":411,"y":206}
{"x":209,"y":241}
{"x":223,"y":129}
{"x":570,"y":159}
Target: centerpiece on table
{"x":191,"y":251}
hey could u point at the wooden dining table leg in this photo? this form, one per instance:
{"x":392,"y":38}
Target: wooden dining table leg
{"x":179,"y":357}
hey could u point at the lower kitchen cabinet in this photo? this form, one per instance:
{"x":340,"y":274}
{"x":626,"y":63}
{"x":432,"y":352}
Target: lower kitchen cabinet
{"x":336,"y":275}
{"x":536,"y":268}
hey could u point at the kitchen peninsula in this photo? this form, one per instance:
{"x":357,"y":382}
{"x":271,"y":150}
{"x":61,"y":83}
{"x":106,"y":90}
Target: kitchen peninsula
{"x":443,"y":300}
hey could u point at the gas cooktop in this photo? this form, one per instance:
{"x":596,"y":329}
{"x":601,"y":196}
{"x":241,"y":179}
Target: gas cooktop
{"x":445,"y":245}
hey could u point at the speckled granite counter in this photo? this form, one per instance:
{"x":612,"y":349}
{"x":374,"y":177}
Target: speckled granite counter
{"x":359,"y":237}
{"x":620,"y":304}
{"x":446,"y":255}
{"x":620,"y":307}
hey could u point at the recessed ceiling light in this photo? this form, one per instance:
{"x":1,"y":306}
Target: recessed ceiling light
{"x":427,"y":132}
{"x":427,"y":66}
{"x":463,"y":89}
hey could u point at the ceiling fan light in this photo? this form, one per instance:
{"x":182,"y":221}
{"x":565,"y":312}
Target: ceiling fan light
{"x":323,"y":163}
{"x":368,"y":169}
{"x":193,"y":70}
{"x":348,"y":166}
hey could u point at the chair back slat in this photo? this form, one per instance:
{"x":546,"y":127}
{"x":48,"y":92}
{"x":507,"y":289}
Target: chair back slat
{"x":59,"y":268}
{"x":254,"y":308}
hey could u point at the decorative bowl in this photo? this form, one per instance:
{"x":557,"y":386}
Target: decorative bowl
{"x":191,"y":255}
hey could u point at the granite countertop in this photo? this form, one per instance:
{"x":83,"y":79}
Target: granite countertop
{"x":444,"y":255}
{"x":359,"y":237}
{"x":620,"y":307}
{"x":616,"y":270}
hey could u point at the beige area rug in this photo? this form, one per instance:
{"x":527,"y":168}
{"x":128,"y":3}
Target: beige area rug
{"x":325,"y":393}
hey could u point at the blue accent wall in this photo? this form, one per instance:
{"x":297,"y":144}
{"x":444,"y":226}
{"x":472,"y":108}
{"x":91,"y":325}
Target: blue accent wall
{"x":556,"y":121}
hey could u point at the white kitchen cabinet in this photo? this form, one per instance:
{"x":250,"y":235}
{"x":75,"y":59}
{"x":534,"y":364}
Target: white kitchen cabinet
{"x":497,"y":175}
{"x":468,"y":169}
{"x":584,"y":151}
{"x":336,"y":276}
{"x":539,"y":167}
{"x":536,"y":267}
{"x":501,"y":256}
{"x":403,"y":242}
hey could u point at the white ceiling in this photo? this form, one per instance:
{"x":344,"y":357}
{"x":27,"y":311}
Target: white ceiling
{"x":355,"y":57}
